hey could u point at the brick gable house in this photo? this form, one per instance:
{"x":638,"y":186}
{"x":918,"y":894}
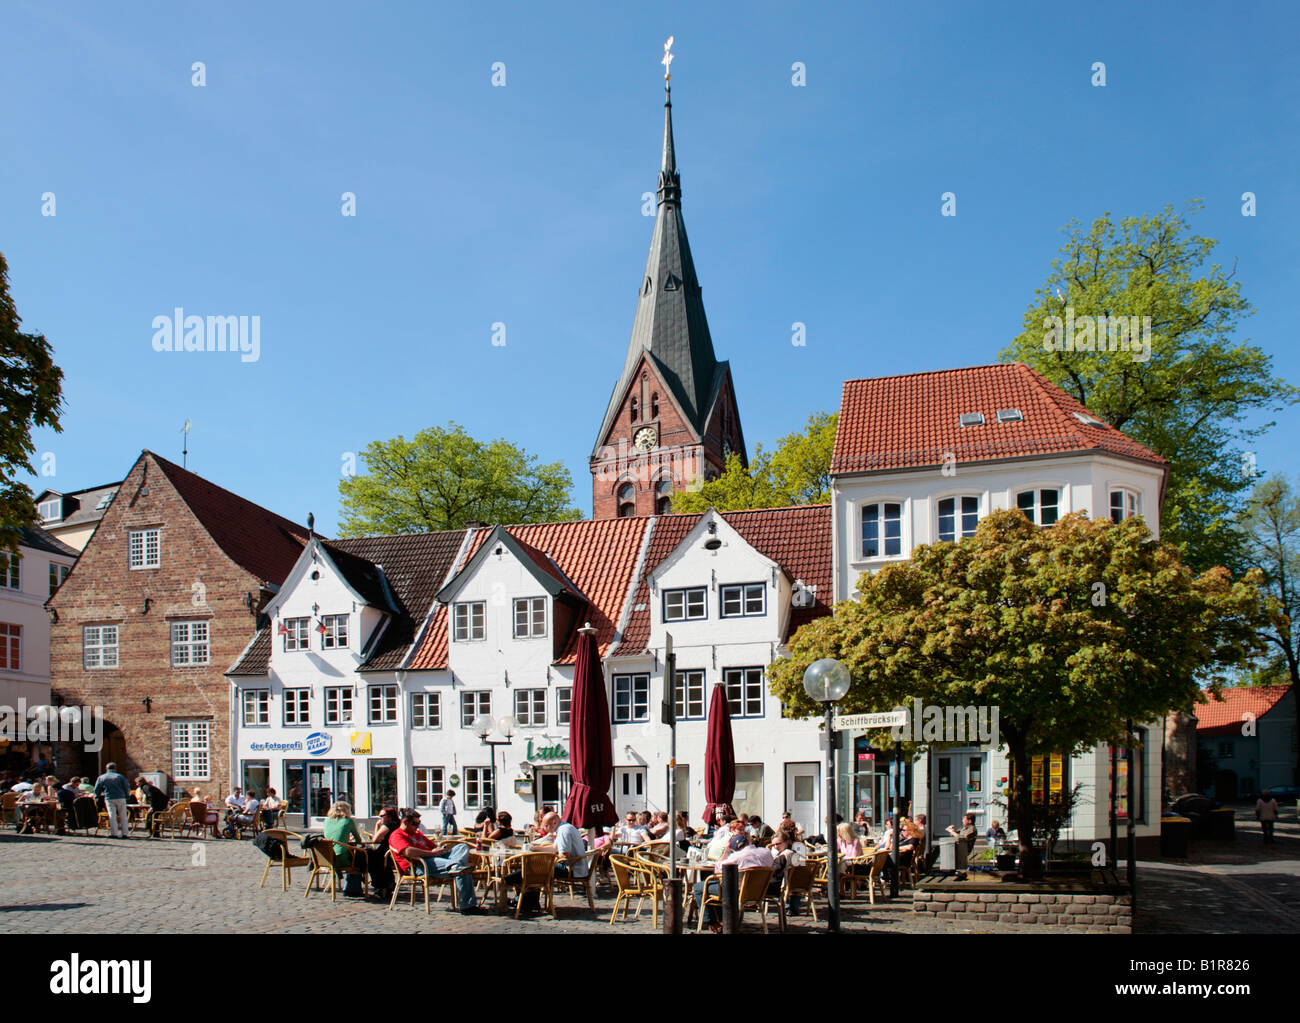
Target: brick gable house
{"x":163,"y":599}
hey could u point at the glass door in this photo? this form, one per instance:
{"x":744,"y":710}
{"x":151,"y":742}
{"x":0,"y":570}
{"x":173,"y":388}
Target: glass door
{"x":553,"y":789}
{"x":320,"y":786}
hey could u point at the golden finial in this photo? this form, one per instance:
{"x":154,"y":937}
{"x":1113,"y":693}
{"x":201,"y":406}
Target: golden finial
{"x":668,"y":59}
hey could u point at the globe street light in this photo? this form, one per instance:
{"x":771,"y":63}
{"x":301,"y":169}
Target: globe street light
{"x":827,"y":681}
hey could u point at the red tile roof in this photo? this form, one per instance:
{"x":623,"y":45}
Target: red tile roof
{"x":1222,"y":716}
{"x":257,"y":540}
{"x":797,"y":538}
{"x":911,"y":421}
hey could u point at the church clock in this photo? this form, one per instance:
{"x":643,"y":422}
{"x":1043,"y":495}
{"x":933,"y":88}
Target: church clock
{"x":646,"y":437}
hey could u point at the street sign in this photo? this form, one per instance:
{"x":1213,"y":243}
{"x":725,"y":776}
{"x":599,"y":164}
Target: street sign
{"x":885,"y":719}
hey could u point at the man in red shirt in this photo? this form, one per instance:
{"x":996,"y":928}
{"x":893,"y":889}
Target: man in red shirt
{"x":415,"y":853}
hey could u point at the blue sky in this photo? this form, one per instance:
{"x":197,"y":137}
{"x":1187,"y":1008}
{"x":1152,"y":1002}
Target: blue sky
{"x":522,"y":204}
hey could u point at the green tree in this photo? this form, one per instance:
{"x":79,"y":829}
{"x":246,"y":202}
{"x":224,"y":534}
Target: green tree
{"x":442,"y":479}
{"x":1070,"y":631}
{"x":1270,"y":524}
{"x":31,"y":394}
{"x":797,"y":472}
{"x":1188,"y":400}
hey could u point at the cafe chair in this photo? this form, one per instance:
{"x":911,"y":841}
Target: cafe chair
{"x":754,"y":884}
{"x":537,"y":874}
{"x":486,"y":880}
{"x":635,"y":881}
{"x":286,"y":859}
{"x":406,"y":879}
{"x":799,"y":881}
{"x":585,"y":885}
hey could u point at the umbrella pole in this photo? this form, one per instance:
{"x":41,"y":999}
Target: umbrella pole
{"x":673,"y":891}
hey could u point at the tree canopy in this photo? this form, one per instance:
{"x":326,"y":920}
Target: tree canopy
{"x":1189,"y":398}
{"x":444,"y":478}
{"x":31,"y":394}
{"x":797,"y":472}
{"x":1270,"y":523}
{"x":1071,"y":631}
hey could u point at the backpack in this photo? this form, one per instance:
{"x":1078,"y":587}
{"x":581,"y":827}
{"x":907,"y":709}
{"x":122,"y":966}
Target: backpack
{"x":272,"y":847}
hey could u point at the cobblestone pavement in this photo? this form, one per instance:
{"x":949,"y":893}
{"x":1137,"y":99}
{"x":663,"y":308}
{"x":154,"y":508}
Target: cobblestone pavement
{"x":74,"y":884}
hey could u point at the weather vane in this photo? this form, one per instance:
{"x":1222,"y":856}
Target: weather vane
{"x":668,"y":59}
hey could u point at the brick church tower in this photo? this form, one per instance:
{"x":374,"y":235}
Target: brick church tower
{"x":672,"y":419}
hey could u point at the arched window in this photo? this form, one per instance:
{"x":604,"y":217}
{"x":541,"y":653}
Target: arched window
{"x":634,"y":410}
{"x":663,"y":497}
{"x":654,"y":405}
{"x":626,"y":500}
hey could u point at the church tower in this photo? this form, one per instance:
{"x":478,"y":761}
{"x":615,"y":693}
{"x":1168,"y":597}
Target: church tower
{"x":672,"y":419}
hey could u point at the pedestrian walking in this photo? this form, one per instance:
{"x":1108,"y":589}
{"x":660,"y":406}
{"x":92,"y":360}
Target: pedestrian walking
{"x":448,"y":808}
{"x":1266,"y":814}
{"x":115,"y":789}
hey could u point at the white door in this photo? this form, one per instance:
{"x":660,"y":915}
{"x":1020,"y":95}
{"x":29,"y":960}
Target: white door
{"x":803,"y":797}
{"x":629,"y":789}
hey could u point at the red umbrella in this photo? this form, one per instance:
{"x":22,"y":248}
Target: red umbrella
{"x":719,"y":757}
{"x":591,"y":753}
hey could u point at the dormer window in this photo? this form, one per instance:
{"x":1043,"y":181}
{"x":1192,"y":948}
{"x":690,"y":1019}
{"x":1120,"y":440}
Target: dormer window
{"x":1124,"y":504}
{"x":51,"y":510}
{"x":882,"y":530}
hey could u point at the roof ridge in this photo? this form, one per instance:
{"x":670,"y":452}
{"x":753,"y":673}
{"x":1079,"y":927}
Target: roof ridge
{"x":169,"y":467}
{"x":934,"y":372}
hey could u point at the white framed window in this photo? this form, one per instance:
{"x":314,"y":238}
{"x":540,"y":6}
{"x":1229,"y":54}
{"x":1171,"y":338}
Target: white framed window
{"x":530,"y":706}
{"x":189,"y":644}
{"x":958,"y":517}
{"x":429,"y":786}
{"x":338,"y":705}
{"x":563,"y":703}
{"x":142,"y":548}
{"x":257,"y":708}
{"x":882,"y":529}
{"x":297,"y":707}
{"x":335,"y":636}
{"x":469,"y":621}
{"x":50,"y":510}
{"x":383,"y":705}
{"x":1042,"y":507}
{"x":744,"y":600}
{"x":631,"y":698}
{"x":686,"y":605}
{"x":11,"y":646}
{"x":11,"y":571}
{"x":530,"y":617}
{"x":478,"y":788}
{"x":689,"y":697}
{"x":426,"y":710}
{"x":472,"y":705}
{"x":294,"y":631}
{"x":1124,"y":504}
{"x":744,"y":691}
{"x":190,"y":758}
{"x":99,"y":646}
{"x":57,"y":574}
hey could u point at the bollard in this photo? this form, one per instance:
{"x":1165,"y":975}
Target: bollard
{"x":730,"y":899}
{"x":673,"y":905}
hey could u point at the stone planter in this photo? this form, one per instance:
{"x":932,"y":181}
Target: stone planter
{"x":1095,"y":902}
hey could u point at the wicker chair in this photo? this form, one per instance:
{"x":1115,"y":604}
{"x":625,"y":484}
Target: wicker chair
{"x":585,"y":885}
{"x":753,"y":892}
{"x":876,"y":879}
{"x":407,"y":879}
{"x":9,"y":808}
{"x":175,"y":819}
{"x":635,"y":881}
{"x":486,"y":881}
{"x":325,"y":863}
{"x":537,"y":874}
{"x":286,"y":859}
{"x":799,"y":881}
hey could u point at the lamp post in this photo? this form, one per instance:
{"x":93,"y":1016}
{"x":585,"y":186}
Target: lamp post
{"x":483,"y":725}
{"x":826,"y":681}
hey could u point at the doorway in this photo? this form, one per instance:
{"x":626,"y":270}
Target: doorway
{"x":802,"y":783}
{"x":959,"y":786}
{"x":553,"y":788}
{"x":629,"y":789}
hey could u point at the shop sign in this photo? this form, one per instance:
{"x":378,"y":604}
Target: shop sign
{"x":556,"y":752}
{"x":361,"y":743}
{"x":275,"y":747}
{"x":319,"y":743}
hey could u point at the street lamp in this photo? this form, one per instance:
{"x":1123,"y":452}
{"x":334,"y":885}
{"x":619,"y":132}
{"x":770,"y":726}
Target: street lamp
{"x":826,"y":681}
{"x":483,"y":725}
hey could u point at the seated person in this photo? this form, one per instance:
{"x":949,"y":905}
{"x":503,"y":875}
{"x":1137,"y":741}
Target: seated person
{"x":415,"y":853}
{"x":503,"y":830}
{"x":995,"y":835}
{"x":201,"y":810}
{"x":486,"y":822}
{"x":340,"y":828}
{"x":762,"y":833}
{"x":745,"y":858}
{"x":156,"y":800}
{"x":846,"y":841}
{"x":643,"y":824}
{"x":235,"y":800}
{"x":628,"y":833}
{"x":966,"y":832}
{"x":659,"y":826}
{"x":270,"y":808}
{"x":247,"y":812}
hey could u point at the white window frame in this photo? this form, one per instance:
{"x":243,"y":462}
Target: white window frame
{"x":191,"y":753}
{"x":191,"y":644}
{"x":11,"y":571}
{"x":881,"y":518}
{"x":433,"y":780}
{"x":46,"y":516}
{"x":534,"y":620}
{"x":563,"y":704}
{"x":474,"y":703}
{"x":338,"y":701}
{"x":958,"y":514}
{"x":1037,"y":491}
{"x":476,"y":793}
{"x":530,"y":706}
{"x":634,"y":683}
{"x":335,"y":636}
{"x":140,"y":552}
{"x":742,"y":597}
{"x":256,"y":708}
{"x":751,"y":704}
{"x":1130,"y":503}
{"x":299,"y":635}
{"x":464,"y":626}
{"x":689,"y":700}
{"x":384,"y":697}
{"x":426,"y":710}
{"x":94,"y":640}
{"x":680,"y":603}
{"x":296,"y":707}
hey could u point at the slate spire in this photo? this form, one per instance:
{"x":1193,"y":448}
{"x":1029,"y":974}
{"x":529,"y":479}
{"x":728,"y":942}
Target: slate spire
{"x":670,"y":324}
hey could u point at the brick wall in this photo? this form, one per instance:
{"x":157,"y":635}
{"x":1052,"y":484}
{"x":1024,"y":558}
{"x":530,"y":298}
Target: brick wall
{"x":1098,"y":914}
{"x":103,"y":589}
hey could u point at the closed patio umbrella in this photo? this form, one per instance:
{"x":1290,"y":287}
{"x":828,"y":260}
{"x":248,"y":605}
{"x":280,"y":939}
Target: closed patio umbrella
{"x":591,"y":753}
{"x":719,"y":756}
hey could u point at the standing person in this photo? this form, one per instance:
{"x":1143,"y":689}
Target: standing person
{"x":448,"y":809}
{"x":1266,"y":814}
{"x":154,"y":798}
{"x":414,"y":852}
{"x":114,"y":788}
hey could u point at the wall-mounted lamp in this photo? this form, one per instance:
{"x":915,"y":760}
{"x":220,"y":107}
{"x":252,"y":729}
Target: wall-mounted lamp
{"x":148,"y":705}
{"x":54,"y":615}
{"x":147,"y":602}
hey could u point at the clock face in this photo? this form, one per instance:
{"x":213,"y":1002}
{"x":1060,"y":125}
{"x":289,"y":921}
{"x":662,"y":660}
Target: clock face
{"x":645,"y":438}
